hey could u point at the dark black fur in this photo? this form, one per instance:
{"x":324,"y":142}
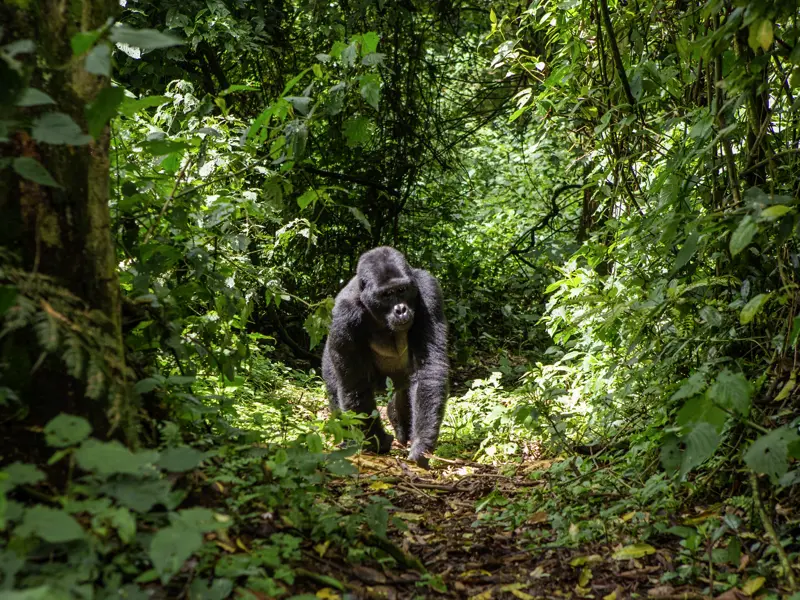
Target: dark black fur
{"x":388,"y":321}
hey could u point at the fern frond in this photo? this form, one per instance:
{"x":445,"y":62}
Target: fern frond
{"x":46,"y":331}
{"x":95,"y":378}
{"x":73,"y":355}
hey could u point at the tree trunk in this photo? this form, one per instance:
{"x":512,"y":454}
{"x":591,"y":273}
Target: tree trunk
{"x":65,"y":232}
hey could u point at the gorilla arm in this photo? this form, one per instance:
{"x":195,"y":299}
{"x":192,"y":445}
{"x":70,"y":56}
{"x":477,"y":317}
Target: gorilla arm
{"x":429,"y":385}
{"x":346,"y":367}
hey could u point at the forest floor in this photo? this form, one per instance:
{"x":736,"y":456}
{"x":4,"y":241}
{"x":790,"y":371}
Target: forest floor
{"x":471,"y":528}
{"x":611,"y":525}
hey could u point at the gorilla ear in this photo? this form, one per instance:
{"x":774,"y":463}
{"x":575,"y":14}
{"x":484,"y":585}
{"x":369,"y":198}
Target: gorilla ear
{"x":361,"y":284}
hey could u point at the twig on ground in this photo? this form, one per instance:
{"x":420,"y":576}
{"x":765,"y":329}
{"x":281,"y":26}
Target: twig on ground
{"x":773,"y":536}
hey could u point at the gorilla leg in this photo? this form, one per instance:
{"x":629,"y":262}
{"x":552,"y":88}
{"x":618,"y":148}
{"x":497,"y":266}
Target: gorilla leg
{"x":400,"y":415}
{"x":363,"y":401}
{"x":428,"y":395}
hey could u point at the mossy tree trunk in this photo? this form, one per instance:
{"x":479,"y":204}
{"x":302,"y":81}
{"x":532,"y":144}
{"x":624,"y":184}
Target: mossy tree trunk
{"x":64,"y":232}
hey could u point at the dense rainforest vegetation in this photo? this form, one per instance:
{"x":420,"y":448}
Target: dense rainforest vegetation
{"x":607,"y":192}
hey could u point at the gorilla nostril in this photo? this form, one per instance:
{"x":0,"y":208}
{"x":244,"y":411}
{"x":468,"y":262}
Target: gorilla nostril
{"x":400,"y":310}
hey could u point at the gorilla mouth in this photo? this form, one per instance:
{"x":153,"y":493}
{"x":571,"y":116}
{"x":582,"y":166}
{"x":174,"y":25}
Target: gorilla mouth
{"x":401,"y":323}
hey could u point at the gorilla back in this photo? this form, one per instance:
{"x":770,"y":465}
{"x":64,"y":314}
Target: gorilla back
{"x":388,"y":321}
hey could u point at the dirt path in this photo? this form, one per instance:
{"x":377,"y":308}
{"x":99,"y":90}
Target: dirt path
{"x":470,"y":552}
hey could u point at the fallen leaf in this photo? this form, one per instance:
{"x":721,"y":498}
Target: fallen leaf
{"x":474,"y":573}
{"x":369,"y":575}
{"x":585,"y":577}
{"x":633,"y":551}
{"x":538,"y":517}
{"x":573,"y":531}
{"x":591,"y":559}
{"x":538,"y":573}
{"x":380,"y":485}
{"x":732,"y":594}
{"x":413,"y":517}
{"x":611,"y":596}
{"x":322,"y":548}
{"x":743,"y":562}
{"x":482,"y":596}
{"x":753,"y":585}
{"x":226,"y":547}
{"x":241,"y":545}
{"x":661,"y":591}
{"x":628,"y":516}
{"x":327,"y":594}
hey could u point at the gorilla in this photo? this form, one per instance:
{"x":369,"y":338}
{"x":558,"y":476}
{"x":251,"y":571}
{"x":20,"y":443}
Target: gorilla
{"x":388,"y":321}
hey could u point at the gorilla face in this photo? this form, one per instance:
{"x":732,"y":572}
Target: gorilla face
{"x":388,"y":290}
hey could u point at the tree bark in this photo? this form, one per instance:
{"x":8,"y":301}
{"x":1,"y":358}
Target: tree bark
{"x":65,"y":232}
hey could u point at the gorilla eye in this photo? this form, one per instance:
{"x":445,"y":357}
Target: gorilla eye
{"x":402,"y":289}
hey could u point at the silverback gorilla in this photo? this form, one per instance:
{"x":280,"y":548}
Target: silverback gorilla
{"x":388,"y":321}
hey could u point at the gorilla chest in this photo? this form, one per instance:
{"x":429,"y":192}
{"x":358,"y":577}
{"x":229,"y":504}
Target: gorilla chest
{"x":390,"y":355}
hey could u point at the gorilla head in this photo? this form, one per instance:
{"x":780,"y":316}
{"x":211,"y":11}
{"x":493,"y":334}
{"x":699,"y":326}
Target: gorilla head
{"x":388,"y":289}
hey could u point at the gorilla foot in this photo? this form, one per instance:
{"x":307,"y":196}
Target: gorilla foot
{"x":379,"y":443}
{"x":418,"y":456}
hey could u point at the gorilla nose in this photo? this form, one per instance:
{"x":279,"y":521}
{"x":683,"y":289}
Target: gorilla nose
{"x":401,"y":310}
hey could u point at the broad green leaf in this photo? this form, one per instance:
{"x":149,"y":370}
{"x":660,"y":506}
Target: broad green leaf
{"x":359,"y":216}
{"x":701,"y":409}
{"x":31,"y":169}
{"x":370,"y":60}
{"x":103,"y":109}
{"x":66,"y":430}
{"x":146,"y":39}
{"x":20,"y":474}
{"x":125,"y":523}
{"x":633,"y":551}
{"x":98,"y":61}
{"x":671,"y":454}
{"x":180,"y":459}
{"x":34,"y":97}
{"x":492,"y":16}
{"x":775,"y":212}
{"x":369,"y":43}
{"x":19,"y":47}
{"x":109,"y":458}
{"x":731,"y":391}
{"x":701,"y":443}
{"x":307,"y":198}
{"x":760,"y":35}
{"x":139,"y":495}
{"x":377,"y":519}
{"x":131,"y":106}
{"x":200,"y":519}
{"x":314,"y":442}
{"x":711,"y":316}
{"x":171,"y":547}
{"x":687,"y":250}
{"x":58,"y":128}
{"x":769,"y":453}
{"x":691,"y":386}
{"x":301,"y":104}
{"x":752,"y":308}
{"x":795,"y":331}
{"x":370,"y":88}
{"x":82,"y":41}
{"x":743,"y":235}
{"x":51,"y":524}
{"x":358,"y":131}
{"x":42,"y":592}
